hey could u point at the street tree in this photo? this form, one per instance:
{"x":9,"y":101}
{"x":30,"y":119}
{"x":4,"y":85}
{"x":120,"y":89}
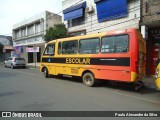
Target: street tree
{"x":56,"y":32}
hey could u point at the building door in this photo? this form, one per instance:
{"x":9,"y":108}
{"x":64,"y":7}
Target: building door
{"x":154,"y":53}
{"x":39,"y":55}
{"x":30,"y":57}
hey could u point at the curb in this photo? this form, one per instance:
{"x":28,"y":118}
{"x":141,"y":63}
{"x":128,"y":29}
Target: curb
{"x":33,"y":67}
{"x":151,"y":87}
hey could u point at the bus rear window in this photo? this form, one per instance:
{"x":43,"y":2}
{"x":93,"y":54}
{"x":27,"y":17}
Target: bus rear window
{"x":115,"y":44}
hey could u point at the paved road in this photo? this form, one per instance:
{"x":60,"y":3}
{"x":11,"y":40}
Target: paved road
{"x":28,"y":90}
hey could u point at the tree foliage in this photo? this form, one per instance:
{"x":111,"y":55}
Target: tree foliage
{"x":1,"y":47}
{"x":56,"y":32}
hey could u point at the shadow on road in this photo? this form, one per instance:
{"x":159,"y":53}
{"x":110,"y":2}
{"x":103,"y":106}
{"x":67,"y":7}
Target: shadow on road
{"x":127,"y":87}
{"x":113,"y":85}
{"x":9,"y":94}
{"x":73,"y":79}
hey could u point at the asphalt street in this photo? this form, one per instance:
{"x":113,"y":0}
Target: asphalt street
{"x":28,"y":90}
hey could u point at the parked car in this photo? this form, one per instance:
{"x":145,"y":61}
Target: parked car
{"x":15,"y":62}
{"x":157,"y":75}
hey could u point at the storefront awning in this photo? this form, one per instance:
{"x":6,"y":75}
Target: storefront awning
{"x":111,"y":9}
{"x":8,"y":47}
{"x":74,"y":11}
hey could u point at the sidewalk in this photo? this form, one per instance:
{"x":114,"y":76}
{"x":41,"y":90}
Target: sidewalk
{"x":150,"y":82}
{"x":33,"y":65}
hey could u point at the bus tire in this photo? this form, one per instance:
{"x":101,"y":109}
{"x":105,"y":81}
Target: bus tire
{"x":88,"y":79}
{"x":46,"y":73}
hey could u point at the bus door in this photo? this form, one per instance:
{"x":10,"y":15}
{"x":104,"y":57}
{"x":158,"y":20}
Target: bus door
{"x":48,"y":58}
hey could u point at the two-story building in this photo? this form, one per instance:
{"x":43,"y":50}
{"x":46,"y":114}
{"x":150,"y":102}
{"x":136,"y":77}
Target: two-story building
{"x":94,"y":16}
{"x":150,"y":26}
{"x":28,"y":35}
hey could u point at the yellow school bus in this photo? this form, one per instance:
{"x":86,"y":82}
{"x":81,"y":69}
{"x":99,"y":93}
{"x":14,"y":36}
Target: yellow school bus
{"x":157,"y":76}
{"x":116,"y":56}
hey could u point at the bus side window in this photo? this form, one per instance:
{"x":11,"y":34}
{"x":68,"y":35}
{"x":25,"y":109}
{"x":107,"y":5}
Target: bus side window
{"x":70,"y":47}
{"x":121,"y":43}
{"x":59,"y":48}
{"x":89,"y":46}
{"x":107,"y":45}
{"x":49,"y":49}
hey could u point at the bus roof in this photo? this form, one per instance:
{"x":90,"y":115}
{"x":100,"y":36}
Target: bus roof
{"x":95,"y":35}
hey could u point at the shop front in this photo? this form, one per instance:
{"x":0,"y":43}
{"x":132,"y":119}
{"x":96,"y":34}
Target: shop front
{"x":154,"y":49}
{"x":30,"y":49}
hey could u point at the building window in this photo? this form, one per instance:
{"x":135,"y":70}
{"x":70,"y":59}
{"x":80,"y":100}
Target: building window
{"x":31,"y":30}
{"x":23,"y":32}
{"x":38,"y":28}
{"x":115,"y":44}
{"x":89,"y":46}
{"x":75,"y":14}
{"x":77,"y":33}
{"x":17,"y":34}
{"x":75,"y":11}
{"x":70,"y":47}
{"x":76,"y":22}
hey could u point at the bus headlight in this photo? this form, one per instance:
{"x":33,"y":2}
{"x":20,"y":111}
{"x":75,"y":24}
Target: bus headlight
{"x":157,"y":72}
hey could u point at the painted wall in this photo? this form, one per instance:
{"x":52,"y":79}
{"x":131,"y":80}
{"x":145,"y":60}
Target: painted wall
{"x":18,"y":51}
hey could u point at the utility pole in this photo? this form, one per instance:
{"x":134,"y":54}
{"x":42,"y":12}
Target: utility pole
{"x":34,"y":48}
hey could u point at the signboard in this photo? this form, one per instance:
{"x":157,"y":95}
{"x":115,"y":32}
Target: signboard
{"x":32,"y":49}
{"x":144,"y":31}
{"x":29,"y":42}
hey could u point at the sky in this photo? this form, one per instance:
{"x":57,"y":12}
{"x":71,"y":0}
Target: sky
{"x":15,"y":11}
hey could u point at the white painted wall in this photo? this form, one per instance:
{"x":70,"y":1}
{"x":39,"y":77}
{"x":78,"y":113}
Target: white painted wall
{"x":91,"y":23}
{"x":46,"y":19}
{"x":30,"y":20}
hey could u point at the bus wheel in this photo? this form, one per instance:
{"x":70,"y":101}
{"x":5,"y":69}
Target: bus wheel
{"x":88,"y":79}
{"x":46,"y":73}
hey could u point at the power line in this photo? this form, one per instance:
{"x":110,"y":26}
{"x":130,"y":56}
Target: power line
{"x":62,"y":11}
{"x":92,"y":15}
{"x":128,"y":12}
{"x":112,"y":19}
{"x":96,"y":14}
{"x":89,"y":22}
